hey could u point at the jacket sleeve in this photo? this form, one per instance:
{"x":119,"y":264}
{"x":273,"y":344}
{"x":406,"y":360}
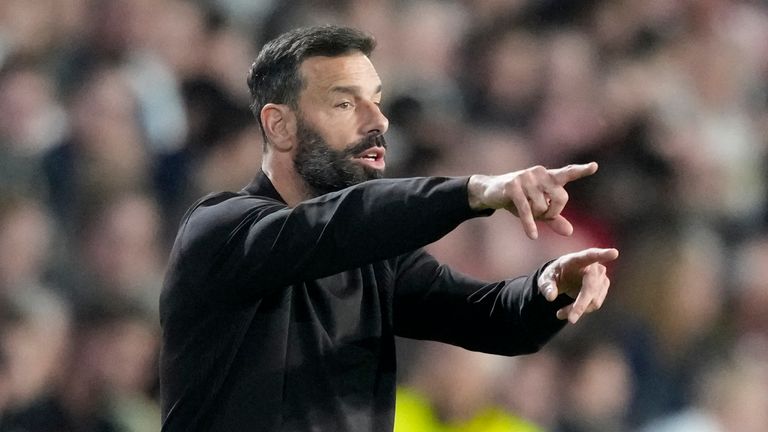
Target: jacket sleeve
{"x":252,"y":245}
{"x":509,"y":317}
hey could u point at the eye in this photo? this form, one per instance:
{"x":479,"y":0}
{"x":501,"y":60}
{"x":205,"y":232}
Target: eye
{"x":344,"y":105}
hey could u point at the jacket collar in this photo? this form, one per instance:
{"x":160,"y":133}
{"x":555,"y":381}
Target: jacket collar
{"x":261,"y":185}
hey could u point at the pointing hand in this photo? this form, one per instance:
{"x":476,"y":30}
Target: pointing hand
{"x":580,"y":275}
{"x":531,"y":194}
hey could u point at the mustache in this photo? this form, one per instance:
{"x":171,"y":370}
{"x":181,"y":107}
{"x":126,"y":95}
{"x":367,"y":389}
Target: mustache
{"x":366,"y":143}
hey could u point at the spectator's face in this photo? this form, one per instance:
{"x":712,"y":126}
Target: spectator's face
{"x":340,"y":125}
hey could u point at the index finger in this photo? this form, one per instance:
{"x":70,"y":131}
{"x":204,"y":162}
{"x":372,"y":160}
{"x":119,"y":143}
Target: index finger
{"x":573,"y":172}
{"x":593,"y":255}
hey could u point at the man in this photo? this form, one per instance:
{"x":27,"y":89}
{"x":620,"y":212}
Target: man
{"x":282,"y":301}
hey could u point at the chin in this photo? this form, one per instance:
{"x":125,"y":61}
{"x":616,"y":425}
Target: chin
{"x":374,"y":173}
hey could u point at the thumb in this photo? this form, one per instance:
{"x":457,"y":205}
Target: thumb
{"x":549,"y":289}
{"x":548,"y":281}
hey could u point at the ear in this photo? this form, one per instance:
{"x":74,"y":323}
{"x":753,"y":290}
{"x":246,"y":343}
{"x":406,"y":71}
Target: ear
{"x":279,"y":123}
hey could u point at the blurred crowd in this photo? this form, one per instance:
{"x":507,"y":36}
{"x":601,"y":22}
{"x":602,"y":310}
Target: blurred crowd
{"x":115,"y":115}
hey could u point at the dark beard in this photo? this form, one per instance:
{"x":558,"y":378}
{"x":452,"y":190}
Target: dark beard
{"x":327,"y":170}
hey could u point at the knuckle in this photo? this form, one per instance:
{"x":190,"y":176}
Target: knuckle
{"x":528,"y":176}
{"x":512,"y":189}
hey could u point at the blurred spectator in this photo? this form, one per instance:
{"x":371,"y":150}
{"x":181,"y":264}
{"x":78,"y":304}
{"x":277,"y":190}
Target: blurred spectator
{"x":731,"y":396}
{"x":25,"y":244}
{"x":435,"y":398}
{"x":34,"y":339}
{"x":127,"y":340}
{"x":129,"y":36}
{"x":705,"y":126}
{"x":34,"y":322}
{"x":751,"y":290}
{"x":105,"y":150}
{"x":119,"y":254}
{"x":504,"y":70}
{"x":29,"y":27}
{"x":225,"y":144}
{"x":31,"y":121}
{"x":598,"y":388}
{"x":671,"y":304}
{"x":110,"y":372}
{"x":569,"y":121}
{"x":531,"y":387}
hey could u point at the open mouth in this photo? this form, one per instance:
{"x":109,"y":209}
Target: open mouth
{"x":373,"y":157}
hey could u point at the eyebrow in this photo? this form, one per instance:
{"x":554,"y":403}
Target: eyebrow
{"x":352,"y":90}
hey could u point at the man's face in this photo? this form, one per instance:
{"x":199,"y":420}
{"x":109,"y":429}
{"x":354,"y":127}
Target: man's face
{"x":339,"y":123}
{"x":327,"y":170}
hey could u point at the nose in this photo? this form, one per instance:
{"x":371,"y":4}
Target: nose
{"x":376,"y":123}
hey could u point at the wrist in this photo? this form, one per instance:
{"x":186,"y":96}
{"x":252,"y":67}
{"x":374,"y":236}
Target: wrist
{"x":476,"y":187}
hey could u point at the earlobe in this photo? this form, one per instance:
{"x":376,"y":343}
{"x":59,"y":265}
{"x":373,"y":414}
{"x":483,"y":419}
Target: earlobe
{"x":279,"y":126}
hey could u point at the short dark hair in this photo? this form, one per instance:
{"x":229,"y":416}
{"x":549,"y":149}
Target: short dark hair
{"x":274,"y":76}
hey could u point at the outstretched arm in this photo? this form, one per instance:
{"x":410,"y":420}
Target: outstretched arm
{"x":252,"y":245}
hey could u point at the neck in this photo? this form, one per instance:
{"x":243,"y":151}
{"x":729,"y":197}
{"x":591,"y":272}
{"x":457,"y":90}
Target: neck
{"x":286,"y":181}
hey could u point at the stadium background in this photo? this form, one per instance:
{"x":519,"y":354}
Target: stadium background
{"x":116,"y":114}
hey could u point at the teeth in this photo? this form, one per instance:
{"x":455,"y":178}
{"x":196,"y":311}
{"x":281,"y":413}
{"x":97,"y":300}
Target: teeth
{"x":373,"y":156}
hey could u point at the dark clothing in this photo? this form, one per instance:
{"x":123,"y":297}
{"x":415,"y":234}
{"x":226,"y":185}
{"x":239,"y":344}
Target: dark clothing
{"x":284,"y":319}
{"x":49,"y":414}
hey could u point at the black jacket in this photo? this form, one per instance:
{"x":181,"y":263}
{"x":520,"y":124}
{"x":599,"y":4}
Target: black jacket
{"x":284,"y":319}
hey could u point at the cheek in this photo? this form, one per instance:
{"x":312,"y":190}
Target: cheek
{"x":338,"y":141}
{"x":337,"y":129}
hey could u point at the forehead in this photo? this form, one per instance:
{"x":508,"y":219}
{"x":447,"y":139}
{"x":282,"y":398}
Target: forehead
{"x":323,"y":73}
